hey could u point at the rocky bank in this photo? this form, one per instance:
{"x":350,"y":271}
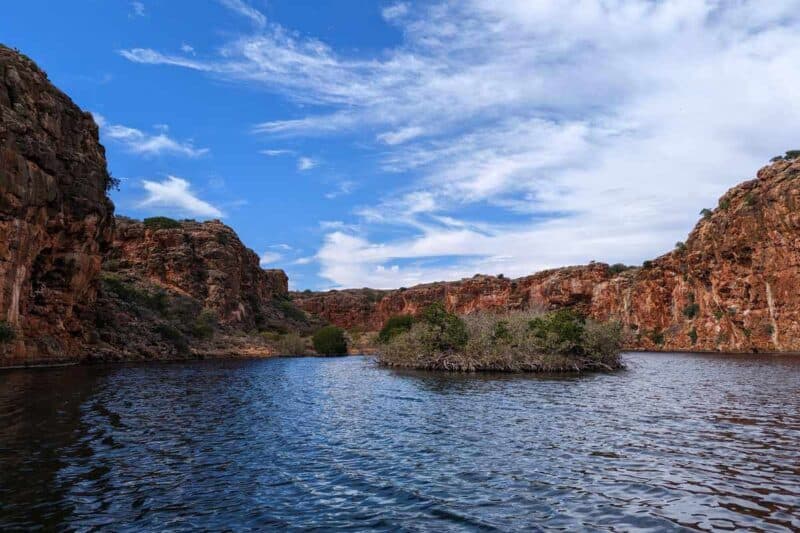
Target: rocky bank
{"x":732,"y":286}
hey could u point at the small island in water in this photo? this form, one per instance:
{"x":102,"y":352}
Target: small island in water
{"x":517,"y":341}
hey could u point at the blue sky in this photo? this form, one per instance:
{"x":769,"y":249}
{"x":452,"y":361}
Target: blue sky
{"x":385,"y":143}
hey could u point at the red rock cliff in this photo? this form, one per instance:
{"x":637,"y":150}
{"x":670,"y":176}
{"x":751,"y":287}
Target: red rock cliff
{"x":55,"y":218}
{"x":205,"y":261}
{"x":731,"y":287}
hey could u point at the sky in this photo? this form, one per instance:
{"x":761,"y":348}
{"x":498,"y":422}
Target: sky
{"x":383,"y":143}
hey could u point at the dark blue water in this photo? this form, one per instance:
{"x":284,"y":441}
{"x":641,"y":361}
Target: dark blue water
{"x":676,"y":441}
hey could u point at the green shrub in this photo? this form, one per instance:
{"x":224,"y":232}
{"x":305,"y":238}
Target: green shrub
{"x":750,"y":199}
{"x":156,"y":223}
{"x":291,"y":311}
{"x":647,"y":264}
{"x":706,"y":212}
{"x":223,"y":238}
{"x":173,"y":336}
{"x":128,"y":292}
{"x":515,"y":341}
{"x":680,"y":246}
{"x":724,"y":203}
{"x":7,"y":332}
{"x":291,"y":344}
{"x":691,"y":309}
{"x":693,"y":335}
{"x":718,"y":314}
{"x":559,"y":331}
{"x":112,"y":183}
{"x":657,"y":336}
{"x":394,"y":326}
{"x":204,"y":325}
{"x":792,"y":154}
{"x":330,"y":340}
{"x":617,"y":268}
{"x":448,"y":331}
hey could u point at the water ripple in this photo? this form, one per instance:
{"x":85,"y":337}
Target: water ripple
{"x":676,"y":442}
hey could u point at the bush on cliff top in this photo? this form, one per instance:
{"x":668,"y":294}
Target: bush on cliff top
{"x":7,"y":332}
{"x":330,"y":340}
{"x":394,"y":326}
{"x":155,"y":223}
{"x":521,"y":341}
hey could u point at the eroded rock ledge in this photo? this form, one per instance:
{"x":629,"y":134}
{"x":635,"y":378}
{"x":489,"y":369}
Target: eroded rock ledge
{"x":731,"y":287}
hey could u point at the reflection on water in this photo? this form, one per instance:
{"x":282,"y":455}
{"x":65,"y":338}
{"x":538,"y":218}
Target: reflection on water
{"x":676,"y":441}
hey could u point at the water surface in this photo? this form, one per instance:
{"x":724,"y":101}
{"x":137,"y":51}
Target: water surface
{"x":675,"y":442}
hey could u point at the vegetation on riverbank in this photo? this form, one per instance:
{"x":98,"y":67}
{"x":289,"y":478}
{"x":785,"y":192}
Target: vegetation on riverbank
{"x":520,"y":341}
{"x":330,"y":340}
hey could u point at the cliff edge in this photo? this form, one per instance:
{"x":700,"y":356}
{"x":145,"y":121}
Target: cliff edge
{"x":56,"y":221}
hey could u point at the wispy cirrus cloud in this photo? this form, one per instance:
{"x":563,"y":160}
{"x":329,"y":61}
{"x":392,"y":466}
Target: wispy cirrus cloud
{"x":175,"y":195}
{"x":148,"y":144}
{"x":246,"y":10}
{"x":603,"y":127}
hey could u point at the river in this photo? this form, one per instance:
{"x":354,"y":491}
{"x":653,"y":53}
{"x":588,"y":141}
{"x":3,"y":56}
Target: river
{"x":675,"y":442}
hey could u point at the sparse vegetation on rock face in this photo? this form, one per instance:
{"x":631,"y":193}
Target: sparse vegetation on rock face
{"x":7,"y":332}
{"x":155,"y":223}
{"x":521,"y":341}
{"x":330,"y":340}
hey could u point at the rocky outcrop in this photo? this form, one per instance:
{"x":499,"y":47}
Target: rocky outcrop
{"x":74,"y":289}
{"x":187,"y":289}
{"x":731,"y":287}
{"x":55,"y":218}
{"x":202,"y":260}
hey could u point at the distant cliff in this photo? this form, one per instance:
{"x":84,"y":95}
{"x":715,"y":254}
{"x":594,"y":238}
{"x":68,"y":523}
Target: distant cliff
{"x":732,"y":286}
{"x":56,"y":221}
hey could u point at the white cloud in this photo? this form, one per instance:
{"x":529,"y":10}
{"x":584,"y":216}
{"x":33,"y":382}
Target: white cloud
{"x":276,"y":153}
{"x":268,"y":258}
{"x":305,"y":163}
{"x":594,"y":131}
{"x":242,"y":8}
{"x":187,"y":49}
{"x":143,"y":143}
{"x":175,"y":193}
{"x":395,"y":11}
{"x":400,"y":136}
{"x":138,"y":9}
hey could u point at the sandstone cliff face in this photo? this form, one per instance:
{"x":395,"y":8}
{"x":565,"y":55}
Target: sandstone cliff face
{"x":55,"y":218}
{"x":733,"y":287}
{"x":368,"y":309}
{"x":205,"y":261}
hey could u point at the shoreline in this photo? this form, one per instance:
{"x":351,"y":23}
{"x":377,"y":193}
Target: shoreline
{"x":208,"y":357}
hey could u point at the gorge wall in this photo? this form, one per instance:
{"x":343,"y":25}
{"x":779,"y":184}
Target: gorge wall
{"x":205,"y":261}
{"x":56,"y":221}
{"x":77,"y":285}
{"x":731,"y":287}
